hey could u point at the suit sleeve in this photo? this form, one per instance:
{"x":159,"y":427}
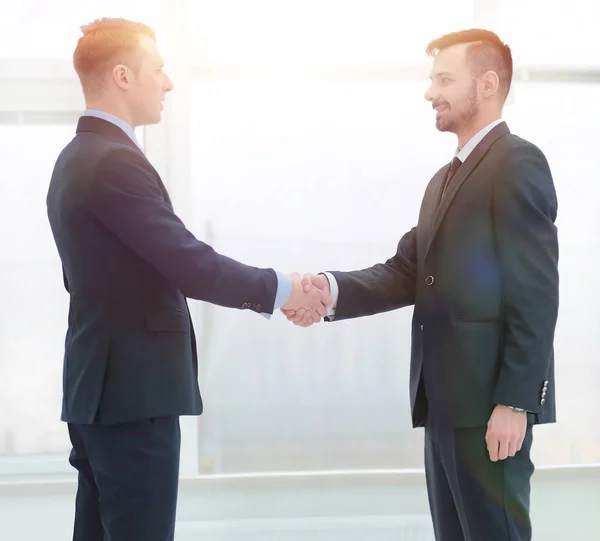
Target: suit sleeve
{"x":525,"y":208}
{"x":125,"y":197}
{"x":381,"y":288}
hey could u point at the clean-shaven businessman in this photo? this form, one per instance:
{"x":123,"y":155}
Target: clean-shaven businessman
{"x":130,"y":366}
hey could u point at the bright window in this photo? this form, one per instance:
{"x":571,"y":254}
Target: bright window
{"x":34,"y":302}
{"x":551,"y":33}
{"x":313,"y":176}
{"x":320,"y":32}
{"x":53,"y":28}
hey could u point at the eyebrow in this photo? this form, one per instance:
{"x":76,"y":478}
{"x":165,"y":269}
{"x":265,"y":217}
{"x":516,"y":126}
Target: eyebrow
{"x":441,"y":74}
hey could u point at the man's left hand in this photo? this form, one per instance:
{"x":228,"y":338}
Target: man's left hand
{"x":505,"y":433}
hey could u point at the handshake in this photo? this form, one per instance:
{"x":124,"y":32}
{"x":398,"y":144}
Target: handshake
{"x":309,"y":299}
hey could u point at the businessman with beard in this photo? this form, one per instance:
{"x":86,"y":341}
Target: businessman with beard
{"x":481,"y":269}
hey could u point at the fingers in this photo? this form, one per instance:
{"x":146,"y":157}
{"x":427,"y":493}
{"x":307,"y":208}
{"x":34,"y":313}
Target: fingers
{"x":519,"y":444}
{"x":319,"y":301}
{"x":493,"y":445}
{"x":326,"y":299}
{"x":499,"y":445}
{"x":515,"y":444}
{"x":307,"y":284}
{"x":320,"y":309}
{"x":318,"y":281}
{"x":310,"y":281}
{"x":308,"y":320}
{"x":294,"y":275}
{"x":503,"y":448}
{"x":296,"y":315}
{"x":301,"y":317}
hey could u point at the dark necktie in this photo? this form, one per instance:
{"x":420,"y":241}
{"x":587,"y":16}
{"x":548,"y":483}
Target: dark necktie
{"x":456,"y":163}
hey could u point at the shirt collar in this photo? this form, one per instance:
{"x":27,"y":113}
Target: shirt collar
{"x":114,"y":120}
{"x":463,"y":153}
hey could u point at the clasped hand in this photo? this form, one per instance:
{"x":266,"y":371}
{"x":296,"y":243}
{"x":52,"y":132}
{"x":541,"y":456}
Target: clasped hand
{"x":310,"y":298}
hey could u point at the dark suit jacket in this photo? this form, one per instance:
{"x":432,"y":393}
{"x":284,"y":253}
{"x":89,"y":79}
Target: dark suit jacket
{"x":481,"y":269}
{"x":128,"y":264}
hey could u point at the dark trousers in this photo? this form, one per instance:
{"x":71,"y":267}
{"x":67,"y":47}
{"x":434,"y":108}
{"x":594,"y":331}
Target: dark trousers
{"x":128,"y":480}
{"x":472,"y":498}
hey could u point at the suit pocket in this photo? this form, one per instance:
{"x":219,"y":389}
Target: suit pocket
{"x":167,"y":321}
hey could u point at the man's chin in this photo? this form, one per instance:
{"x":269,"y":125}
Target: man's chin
{"x":154,"y":120}
{"x":444,"y":126}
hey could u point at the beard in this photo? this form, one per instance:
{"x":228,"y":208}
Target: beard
{"x":455,"y":122}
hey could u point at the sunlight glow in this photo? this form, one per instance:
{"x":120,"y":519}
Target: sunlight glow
{"x":40,"y":29}
{"x":556,"y":33}
{"x":320,"y":32}
{"x":316,"y":33}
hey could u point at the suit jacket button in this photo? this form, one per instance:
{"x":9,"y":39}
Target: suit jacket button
{"x":421,"y":327}
{"x":245,"y":305}
{"x":429,"y":280}
{"x":258,"y":307}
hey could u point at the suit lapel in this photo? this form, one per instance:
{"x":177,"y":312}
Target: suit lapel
{"x":460,"y":177}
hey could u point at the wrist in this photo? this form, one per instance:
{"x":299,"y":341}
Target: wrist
{"x":328,"y":284}
{"x":520,"y":411}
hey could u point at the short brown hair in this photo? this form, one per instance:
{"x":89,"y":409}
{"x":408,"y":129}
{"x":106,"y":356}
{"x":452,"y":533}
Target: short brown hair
{"x":486,"y":52}
{"x":104,"y":42}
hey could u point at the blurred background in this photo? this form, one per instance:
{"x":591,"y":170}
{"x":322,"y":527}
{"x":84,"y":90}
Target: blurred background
{"x":297,"y":137}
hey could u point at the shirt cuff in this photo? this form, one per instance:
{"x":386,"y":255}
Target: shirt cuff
{"x":334,"y":293}
{"x":284,"y":289}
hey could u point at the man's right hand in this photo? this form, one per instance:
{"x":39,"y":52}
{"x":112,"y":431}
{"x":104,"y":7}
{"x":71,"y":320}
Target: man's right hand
{"x":311,"y":302}
{"x":301,"y":316}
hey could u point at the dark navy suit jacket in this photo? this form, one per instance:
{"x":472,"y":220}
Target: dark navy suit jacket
{"x":128,"y":264}
{"x":481,"y":269}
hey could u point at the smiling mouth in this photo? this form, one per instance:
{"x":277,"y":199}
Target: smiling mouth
{"x":440,"y":108}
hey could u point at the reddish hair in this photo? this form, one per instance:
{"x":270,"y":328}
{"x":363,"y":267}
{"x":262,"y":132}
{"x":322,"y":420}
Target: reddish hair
{"x":486,"y":52}
{"x":104,"y":44}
